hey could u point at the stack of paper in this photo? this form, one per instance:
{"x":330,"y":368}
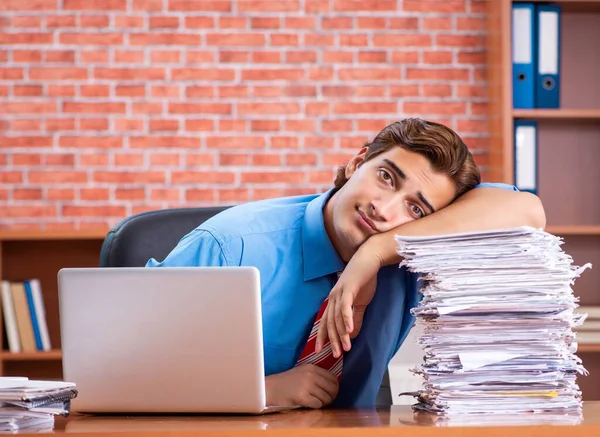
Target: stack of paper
{"x":497,"y":318}
{"x":33,"y":404}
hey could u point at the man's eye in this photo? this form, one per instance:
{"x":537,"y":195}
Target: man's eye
{"x":384,"y":175}
{"x":416,"y":209}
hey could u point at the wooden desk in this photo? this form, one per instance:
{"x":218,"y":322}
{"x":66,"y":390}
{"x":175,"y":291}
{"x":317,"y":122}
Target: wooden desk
{"x":397,"y":420}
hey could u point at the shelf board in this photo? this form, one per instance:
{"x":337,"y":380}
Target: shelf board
{"x":571,"y":5}
{"x":588,"y":347}
{"x":55,"y":354}
{"x":31,"y":235}
{"x":573,"y":230}
{"x":557,"y":114}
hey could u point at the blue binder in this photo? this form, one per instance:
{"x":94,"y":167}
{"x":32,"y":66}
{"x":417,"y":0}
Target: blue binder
{"x":526,"y":156}
{"x":523,"y":55}
{"x":547,"y":88}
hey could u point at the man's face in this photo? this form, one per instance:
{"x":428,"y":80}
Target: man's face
{"x":393,"y":188}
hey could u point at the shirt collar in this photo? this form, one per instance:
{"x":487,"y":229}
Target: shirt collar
{"x":319,"y":256}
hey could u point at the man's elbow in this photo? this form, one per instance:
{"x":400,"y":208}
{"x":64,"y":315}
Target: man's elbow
{"x":536,"y":216}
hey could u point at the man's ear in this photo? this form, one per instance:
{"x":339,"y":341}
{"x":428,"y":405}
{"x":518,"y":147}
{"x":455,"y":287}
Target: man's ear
{"x":355,"y":162}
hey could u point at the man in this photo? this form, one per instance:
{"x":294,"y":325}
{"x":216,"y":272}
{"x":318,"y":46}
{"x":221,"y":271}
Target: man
{"x":413,"y":172}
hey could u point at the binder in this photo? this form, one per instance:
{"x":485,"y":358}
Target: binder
{"x":547,"y":89}
{"x":526,"y":156}
{"x":523,"y":55}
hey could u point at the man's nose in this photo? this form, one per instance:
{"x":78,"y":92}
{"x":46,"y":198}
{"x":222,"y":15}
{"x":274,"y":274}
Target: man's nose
{"x":385,"y":209}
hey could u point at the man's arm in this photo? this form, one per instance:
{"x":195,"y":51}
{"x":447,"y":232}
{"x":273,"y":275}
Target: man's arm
{"x":480,"y":209}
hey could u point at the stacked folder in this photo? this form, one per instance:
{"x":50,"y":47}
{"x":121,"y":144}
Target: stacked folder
{"x":496,"y":323}
{"x":33,"y":405}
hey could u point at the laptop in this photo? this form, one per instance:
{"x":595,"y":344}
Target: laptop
{"x":163,"y":340}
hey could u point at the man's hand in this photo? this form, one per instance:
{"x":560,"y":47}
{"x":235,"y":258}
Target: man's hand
{"x":348,"y":301}
{"x":303,"y":386}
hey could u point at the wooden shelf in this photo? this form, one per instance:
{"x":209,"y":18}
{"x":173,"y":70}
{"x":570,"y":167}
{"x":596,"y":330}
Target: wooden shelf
{"x":588,"y":347}
{"x":571,"y":5}
{"x":55,"y":354}
{"x":573,"y":230}
{"x":36,"y":235}
{"x":557,"y":114}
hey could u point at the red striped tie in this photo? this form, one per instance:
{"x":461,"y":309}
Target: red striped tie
{"x":325,"y":359}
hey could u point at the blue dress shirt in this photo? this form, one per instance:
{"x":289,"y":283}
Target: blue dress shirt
{"x":285,"y":239}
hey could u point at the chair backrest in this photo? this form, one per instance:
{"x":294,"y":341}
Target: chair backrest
{"x":151,"y":234}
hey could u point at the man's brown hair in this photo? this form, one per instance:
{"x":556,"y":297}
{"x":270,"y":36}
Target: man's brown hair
{"x":444,"y":149}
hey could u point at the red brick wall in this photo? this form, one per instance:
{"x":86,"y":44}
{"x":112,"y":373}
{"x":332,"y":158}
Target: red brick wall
{"x":112,"y":107}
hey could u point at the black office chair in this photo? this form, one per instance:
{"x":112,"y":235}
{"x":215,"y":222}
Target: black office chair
{"x":153,"y":234}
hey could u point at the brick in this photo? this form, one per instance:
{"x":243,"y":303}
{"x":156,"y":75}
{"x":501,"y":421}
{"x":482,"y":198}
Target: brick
{"x":60,"y":124}
{"x":393,"y":40}
{"x":338,"y":91}
{"x":94,"y":56}
{"x":335,"y":159}
{"x":164,"y":141}
{"x":129,"y":56}
{"x":129,"y":160}
{"x":87,"y":194}
{"x":200,"y":5}
{"x":200,"y":195}
{"x":129,"y":22}
{"x":25,"y":38}
{"x":202,"y":177}
{"x":267,"y":193}
{"x":329,"y":126}
{"x":61,"y":91}
{"x":299,"y":159}
{"x":337,"y":22}
{"x":60,"y":160}
{"x":314,"y":6}
{"x":130,"y":90}
{"x":364,"y":5}
{"x":405,"y":57}
{"x":300,"y":22}
{"x":437,"y":57}
{"x":238,"y":39}
{"x":266,"y":160}
{"x":472,"y":126}
{"x":199,"y":159}
{"x":354,"y":40}
{"x":317,"y":108}
{"x":471,"y":91}
{"x":27,"y":90}
{"x":162,"y":194}
{"x":60,"y":56}
{"x":365,"y":107}
{"x":471,"y":23}
{"x":263,"y":108}
{"x":58,"y":177}
{"x":94,"y":21}
{"x":33,"y":107}
{"x":27,"y":21}
{"x":369,"y":73}
{"x":448,"y":6}
{"x":300,"y":91}
{"x":371,"y":91}
{"x":93,"y":160}
{"x":94,"y":108}
{"x":404,"y":23}
{"x":93,"y":211}
{"x":95,"y":124}
{"x":443,"y":108}
{"x":437,"y":74}
{"x":165,"y":160}
{"x":319,"y":40}
{"x":20,"y":142}
{"x":128,"y":124}
{"x":300,"y":125}
{"x":164,"y":125}
{"x":25,"y":125}
{"x":105,"y":39}
{"x":200,"y":108}
{"x":57,"y":73}
{"x":60,"y":194}
{"x":95,"y":5}
{"x":233,"y":22}
{"x":148,"y":5}
{"x":147,"y":39}
{"x":321,"y":177}
{"x":229,"y":56}
{"x":272,"y":177}
{"x":25,"y":56}
{"x":199,"y":22}
{"x":467,"y":41}
{"x":205,"y":74}
{"x":199,"y":125}
{"x":233,"y":195}
{"x":265,"y":23}
{"x":91,"y":142}
{"x":321,"y":73}
{"x":130,"y":177}
{"x":146,"y":108}
{"x":60,"y":21}
{"x":27,"y":211}
{"x":436,"y":90}
{"x":141,"y":74}
{"x":233,"y":91}
{"x":199,"y":92}
{"x":11,"y":177}
{"x":164,"y":22}
{"x":233,"y":125}
{"x":273,"y":74}
{"x":373,"y":57}
{"x":437,"y":23}
{"x":165,"y":56}
{"x":27,"y":194}
{"x":264,"y":125}
{"x":235,"y":142}
{"x":472,"y":58}
{"x":479,"y":108}
{"x":94,"y":91}
{"x":268,"y":6}
{"x":27,"y":159}
{"x":234,"y":159}
{"x":284,"y":39}
{"x":284,"y":142}
{"x":21,"y":5}
{"x":266,"y":57}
